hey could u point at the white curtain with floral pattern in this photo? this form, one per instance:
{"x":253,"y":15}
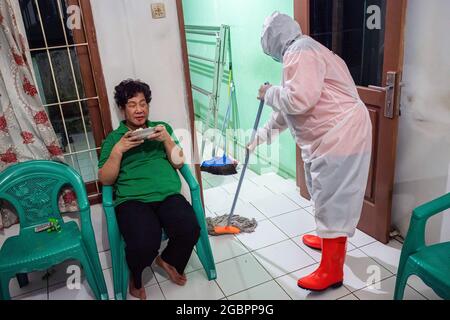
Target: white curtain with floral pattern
{"x":26,"y":132}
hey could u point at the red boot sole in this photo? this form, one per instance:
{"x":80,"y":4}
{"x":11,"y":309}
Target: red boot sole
{"x":312,"y":247}
{"x":333,"y":286}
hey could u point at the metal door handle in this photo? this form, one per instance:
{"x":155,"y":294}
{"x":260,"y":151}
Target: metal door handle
{"x":391,"y":79}
{"x":385,"y":89}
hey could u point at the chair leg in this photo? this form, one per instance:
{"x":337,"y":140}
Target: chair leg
{"x":4,"y":288}
{"x":400,"y":285}
{"x":96,"y":267}
{"x":119,"y":270}
{"x":120,"y":279}
{"x":90,"y":276}
{"x":116,"y":273}
{"x":204,"y":253}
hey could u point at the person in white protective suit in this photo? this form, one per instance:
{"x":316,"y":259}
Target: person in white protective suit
{"x":319,"y":102}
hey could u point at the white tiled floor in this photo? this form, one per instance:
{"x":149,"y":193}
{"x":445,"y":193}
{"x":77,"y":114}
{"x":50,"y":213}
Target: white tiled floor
{"x":349,"y":297}
{"x":386,"y":255}
{"x":240,"y":274}
{"x":294,"y":195}
{"x":274,"y":183}
{"x":197,"y":288}
{"x":226,"y":247}
{"x":384,"y":291}
{"x":362,"y":271}
{"x":268,"y":234}
{"x":264,"y":265}
{"x":295,"y":223}
{"x":283,"y":258}
{"x":250,"y":192}
{"x":275,"y":205}
{"x":153,"y":292}
{"x":267,"y":291}
{"x":243,"y":209}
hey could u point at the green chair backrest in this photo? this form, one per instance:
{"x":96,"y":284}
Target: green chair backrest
{"x":33,"y":188}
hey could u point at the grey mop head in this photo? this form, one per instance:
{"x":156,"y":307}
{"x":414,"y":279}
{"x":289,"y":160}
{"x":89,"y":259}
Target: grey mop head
{"x":244,"y":224}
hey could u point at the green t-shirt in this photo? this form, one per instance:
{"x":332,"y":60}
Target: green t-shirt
{"x":145,"y":171}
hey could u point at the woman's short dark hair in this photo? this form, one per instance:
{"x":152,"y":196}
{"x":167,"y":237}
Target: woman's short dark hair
{"x":128,"y":89}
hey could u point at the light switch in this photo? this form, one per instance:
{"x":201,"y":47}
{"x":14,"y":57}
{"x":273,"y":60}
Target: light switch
{"x":158,"y":10}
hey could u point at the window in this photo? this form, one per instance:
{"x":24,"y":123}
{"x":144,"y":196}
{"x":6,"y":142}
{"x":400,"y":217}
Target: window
{"x":66,"y":64}
{"x":342,"y":27}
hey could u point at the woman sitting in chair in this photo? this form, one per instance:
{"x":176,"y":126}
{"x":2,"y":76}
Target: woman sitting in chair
{"x":147,"y":189}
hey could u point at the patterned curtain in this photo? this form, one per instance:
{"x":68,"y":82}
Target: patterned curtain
{"x":26,"y":132}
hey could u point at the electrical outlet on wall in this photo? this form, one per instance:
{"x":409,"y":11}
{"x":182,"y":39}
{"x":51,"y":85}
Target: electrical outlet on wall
{"x":158,"y":10}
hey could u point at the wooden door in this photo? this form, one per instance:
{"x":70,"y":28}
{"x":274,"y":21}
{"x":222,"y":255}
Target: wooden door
{"x":368,"y":35}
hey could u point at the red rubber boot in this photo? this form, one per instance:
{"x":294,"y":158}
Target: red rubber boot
{"x":330,"y":273}
{"x":313,"y":242}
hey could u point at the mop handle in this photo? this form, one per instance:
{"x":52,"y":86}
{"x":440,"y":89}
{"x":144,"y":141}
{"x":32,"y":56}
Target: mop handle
{"x":225,"y":123}
{"x":247,"y":157}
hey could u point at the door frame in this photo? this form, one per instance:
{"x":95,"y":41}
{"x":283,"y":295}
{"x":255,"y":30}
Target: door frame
{"x":189,"y":97}
{"x":103,"y":115}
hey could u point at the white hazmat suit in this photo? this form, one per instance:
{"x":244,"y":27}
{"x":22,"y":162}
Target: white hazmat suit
{"x":319,"y":102}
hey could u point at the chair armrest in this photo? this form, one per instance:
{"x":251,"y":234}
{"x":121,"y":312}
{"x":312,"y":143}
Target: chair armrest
{"x":108,"y":206}
{"x":107,"y":196}
{"x":194,"y":187}
{"x":115,"y":244}
{"x":432,"y":208}
{"x":415,"y":239}
{"x":190,"y":179}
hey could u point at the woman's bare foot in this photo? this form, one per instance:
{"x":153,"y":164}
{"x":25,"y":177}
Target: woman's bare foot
{"x":173,"y":274}
{"x":137,"y":293}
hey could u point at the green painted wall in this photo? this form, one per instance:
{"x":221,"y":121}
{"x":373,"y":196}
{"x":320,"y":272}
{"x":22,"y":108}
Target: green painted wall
{"x":251,"y":67}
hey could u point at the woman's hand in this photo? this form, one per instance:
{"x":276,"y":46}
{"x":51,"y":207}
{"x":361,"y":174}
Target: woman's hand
{"x":160,"y":134}
{"x":127,"y":142}
{"x":174,"y":152}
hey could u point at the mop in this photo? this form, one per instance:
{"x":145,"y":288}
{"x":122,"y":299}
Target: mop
{"x":222,"y":166}
{"x":234,"y":223}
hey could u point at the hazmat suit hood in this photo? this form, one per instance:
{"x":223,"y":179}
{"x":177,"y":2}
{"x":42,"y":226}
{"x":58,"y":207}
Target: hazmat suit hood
{"x":279,"y":32}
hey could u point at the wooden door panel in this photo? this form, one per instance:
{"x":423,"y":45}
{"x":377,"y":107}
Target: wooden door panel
{"x":374,"y":102}
{"x":371,"y":221}
{"x":374,"y":113}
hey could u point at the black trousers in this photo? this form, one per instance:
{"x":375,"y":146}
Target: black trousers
{"x":141,"y":226}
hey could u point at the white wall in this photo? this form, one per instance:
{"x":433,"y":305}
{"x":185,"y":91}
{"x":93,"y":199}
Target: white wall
{"x":423,"y":157}
{"x":134,"y":45}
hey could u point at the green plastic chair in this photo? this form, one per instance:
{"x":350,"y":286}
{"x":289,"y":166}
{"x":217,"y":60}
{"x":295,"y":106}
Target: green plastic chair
{"x":117,"y":244}
{"x":32,"y":188}
{"x":430,"y":263}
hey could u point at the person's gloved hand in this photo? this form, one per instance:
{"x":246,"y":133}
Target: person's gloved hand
{"x":252,"y":146}
{"x":262,"y":91}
